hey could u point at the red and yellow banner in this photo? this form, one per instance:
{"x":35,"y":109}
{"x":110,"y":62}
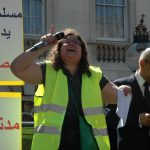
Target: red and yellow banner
{"x":11,"y":39}
{"x":10,"y":121}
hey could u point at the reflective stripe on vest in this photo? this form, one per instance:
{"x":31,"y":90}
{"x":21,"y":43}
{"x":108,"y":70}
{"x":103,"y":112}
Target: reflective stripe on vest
{"x":60,"y":109}
{"x":47,"y":130}
{"x":100,"y":132}
{"x":93,"y":111}
{"x":55,"y":130}
{"x":49,"y":107}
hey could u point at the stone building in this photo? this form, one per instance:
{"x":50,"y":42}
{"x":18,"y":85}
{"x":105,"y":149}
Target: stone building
{"x":106,"y":25}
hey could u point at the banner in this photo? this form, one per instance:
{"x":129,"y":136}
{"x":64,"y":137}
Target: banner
{"x":11,"y":39}
{"x":10,"y":121}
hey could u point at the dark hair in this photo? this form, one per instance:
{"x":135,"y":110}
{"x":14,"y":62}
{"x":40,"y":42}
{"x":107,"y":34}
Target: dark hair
{"x":56,"y":60}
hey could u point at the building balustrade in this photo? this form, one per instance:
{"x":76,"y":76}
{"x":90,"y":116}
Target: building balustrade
{"x":29,"y":41}
{"x":111,"y":53}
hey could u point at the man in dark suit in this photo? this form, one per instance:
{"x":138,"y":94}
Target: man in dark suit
{"x":135,"y":134}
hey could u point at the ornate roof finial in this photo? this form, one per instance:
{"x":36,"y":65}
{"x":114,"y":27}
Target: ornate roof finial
{"x":140,"y":34}
{"x":142,"y":19}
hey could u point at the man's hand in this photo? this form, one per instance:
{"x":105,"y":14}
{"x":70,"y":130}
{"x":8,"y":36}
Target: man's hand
{"x":145,"y":119}
{"x":126,"y":89}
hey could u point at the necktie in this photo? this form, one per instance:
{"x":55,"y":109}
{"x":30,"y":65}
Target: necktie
{"x":147,"y":91}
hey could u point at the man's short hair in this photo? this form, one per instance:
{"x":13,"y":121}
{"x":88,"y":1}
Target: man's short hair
{"x":145,"y":55}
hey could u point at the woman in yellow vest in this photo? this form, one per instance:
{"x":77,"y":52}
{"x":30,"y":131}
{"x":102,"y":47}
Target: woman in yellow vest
{"x":71,"y":94}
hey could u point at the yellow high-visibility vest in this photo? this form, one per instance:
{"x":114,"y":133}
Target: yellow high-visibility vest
{"x":51,"y":109}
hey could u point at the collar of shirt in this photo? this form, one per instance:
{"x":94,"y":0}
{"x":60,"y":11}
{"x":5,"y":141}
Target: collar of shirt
{"x":140,"y":81}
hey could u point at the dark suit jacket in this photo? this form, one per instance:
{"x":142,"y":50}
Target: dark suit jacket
{"x":132,"y":136}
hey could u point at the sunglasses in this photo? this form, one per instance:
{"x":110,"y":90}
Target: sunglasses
{"x":71,"y":40}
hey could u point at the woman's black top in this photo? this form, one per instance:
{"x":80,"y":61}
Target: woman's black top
{"x":70,"y":137}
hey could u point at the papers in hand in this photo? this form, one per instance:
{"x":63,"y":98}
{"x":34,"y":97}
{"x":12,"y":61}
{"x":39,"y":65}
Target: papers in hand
{"x":123,"y":105}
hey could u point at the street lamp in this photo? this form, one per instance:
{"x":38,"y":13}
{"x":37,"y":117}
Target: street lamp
{"x":140,"y":42}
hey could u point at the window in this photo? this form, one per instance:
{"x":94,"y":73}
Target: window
{"x":33,"y":17}
{"x":111,"y":19}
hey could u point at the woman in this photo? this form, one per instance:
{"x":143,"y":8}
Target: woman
{"x":72,"y":89}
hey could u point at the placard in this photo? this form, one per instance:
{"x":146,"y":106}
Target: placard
{"x":10,"y":121}
{"x":11,"y":39}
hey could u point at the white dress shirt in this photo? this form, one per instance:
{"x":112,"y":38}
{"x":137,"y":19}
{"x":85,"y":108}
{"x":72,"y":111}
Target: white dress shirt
{"x":140,"y":81}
